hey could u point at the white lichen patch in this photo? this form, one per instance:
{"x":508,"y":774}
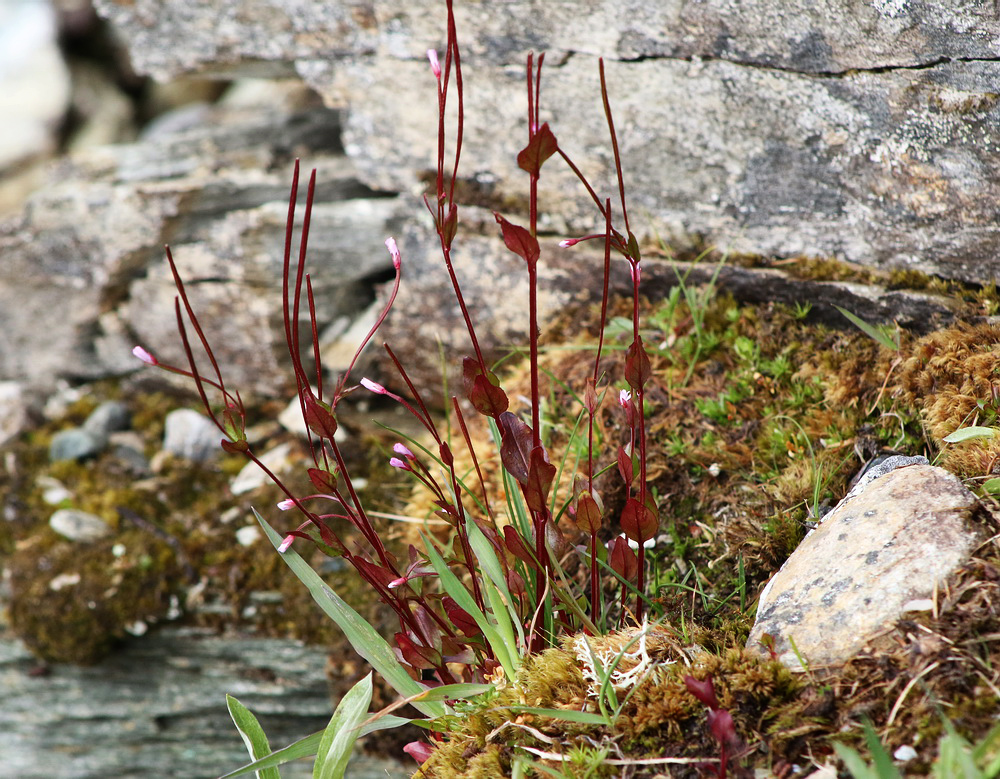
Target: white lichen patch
{"x":626,"y":662}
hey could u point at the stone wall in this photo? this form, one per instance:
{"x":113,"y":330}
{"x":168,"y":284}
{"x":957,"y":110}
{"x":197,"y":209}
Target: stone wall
{"x":861,"y":130}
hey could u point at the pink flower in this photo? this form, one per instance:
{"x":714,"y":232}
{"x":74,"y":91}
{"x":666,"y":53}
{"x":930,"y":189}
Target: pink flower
{"x":432,"y":55}
{"x":566,"y":243}
{"x":624,"y":398}
{"x":372,"y":386}
{"x":145,"y":356}
{"x":287,"y":542}
{"x":403,"y":450}
{"x":286,"y":504}
{"x":390,"y":244}
{"x":395,"y":462}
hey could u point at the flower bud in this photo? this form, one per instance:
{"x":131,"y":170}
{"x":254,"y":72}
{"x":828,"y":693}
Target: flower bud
{"x":432,"y":55}
{"x":404,"y":451}
{"x":145,"y":356}
{"x":372,"y":386}
{"x":390,"y":244}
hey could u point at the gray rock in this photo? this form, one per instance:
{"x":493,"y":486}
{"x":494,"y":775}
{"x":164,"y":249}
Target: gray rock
{"x":158,"y":708}
{"x":78,"y":525}
{"x":110,"y":417}
{"x":34,"y":81}
{"x":877,"y":553}
{"x":191,"y":435}
{"x":75,"y":443}
{"x":15,"y":411}
{"x":251,"y":477}
{"x":863,"y":130}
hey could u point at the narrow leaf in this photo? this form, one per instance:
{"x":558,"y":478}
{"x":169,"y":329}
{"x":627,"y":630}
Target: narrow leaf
{"x":969,"y":434}
{"x":879,"y":334}
{"x":362,"y":636}
{"x":338,"y":739}
{"x":252,"y":734}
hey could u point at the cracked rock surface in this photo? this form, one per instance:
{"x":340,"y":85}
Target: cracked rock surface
{"x":866,"y":130}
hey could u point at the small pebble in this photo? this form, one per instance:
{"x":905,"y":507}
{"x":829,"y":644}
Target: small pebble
{"x":251,"y":476}
{"x":75,"y":444}
{"x":191,"y":435}
{"x":905,"y":753}
{"x":110,"y":417}
{"x":78,"y":525}
{"x":64,"y":580}
{"x":248,"y":536}
{"x":54,"y":492}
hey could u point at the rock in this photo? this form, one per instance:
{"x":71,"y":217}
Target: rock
{"x":191,"y":435}
{"x":879,"y":550}
{"x":858,"y":130}
{"x":110,"y":417}
{"x":34,"y":81}
{"x":54,"y":492}
{"x":158,"y":708}
{"x":14,"y":411}
{"x":251,"y":476}
{"x":75,"y":443}
{"x":78,"y":525}
{"x":248,"y":535}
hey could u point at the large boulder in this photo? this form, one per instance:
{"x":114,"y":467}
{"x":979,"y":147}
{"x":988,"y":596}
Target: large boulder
{"x":863,"y":130}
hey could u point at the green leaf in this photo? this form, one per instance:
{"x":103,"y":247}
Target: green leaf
{"x":567,"y":715}
{"x":884,"y":767}
{"x":363,"y":637}
{"x":309,"y":746}
{"x":879,"y":334}
{"x":453,"y":587}
{"x":500,"y":598}
{"x":854,"y":763}
{"x":338,"y":739}
{"x":991,"y":486}
{"x":304,"y":747}
{"x":970,"y":433}
{"x":252,"y":734}
{"x":454,"y":691}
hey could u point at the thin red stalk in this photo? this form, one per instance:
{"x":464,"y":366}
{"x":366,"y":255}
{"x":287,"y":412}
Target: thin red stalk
{"x":460,"y":129}
{"x":371,"y":332}
{"x":614,"y":144}
{"x":475,"y":459}
{"x":314,"y":325}
{"x":194,"y":368}
{"x":201,"y":335}
{"x":423,"y":416}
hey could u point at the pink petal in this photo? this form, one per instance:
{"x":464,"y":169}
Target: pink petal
{"x":372,"y":386}
{"x":145,"y":356}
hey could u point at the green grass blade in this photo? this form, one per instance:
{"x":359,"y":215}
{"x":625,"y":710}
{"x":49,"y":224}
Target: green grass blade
{"x":969,"y":434}
{"x":879,"y":334}
{"x":500,"y":598}
{"x":252,"y":734}
{"x":854,"y":763}
{"x":304,"y":747}
{"x":363,"y":637}
{"x":338,"y":739}
{"x":566,"y":715}
{"x":453,"y":587}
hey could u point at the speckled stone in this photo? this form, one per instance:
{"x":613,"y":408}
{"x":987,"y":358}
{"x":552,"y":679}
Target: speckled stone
{"x":110,"y":417}
{"x":79,"y":525}
{"x":878,"y":552}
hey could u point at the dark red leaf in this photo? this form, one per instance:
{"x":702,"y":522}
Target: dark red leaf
{"x":519,"y":240}
{"x":638,"y":522}
{"x":703,"y":691}
{"x":483,"y":389}
{"x":623,"y":560}
{"x":324,"y":481}
{"x":446,"y":456}
{"x":421,"y":657}
{"x":460,"y":618}
{"x":588,"y":514}
{"x":625,"y":465}
{"x":319,"y":418}
{"x":632,"y":247}
{"x":450,"y":226}
{"x":380,"y":574}
{"x":720,"y":722}
{"x":515,"y":445}
{"x":541,"y":474}
{"x":542,"y":145}
{"x":516,"y":546}
{"x":515,"y":583}
{"x":590,"y":396}
{"x":637,"y":367}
